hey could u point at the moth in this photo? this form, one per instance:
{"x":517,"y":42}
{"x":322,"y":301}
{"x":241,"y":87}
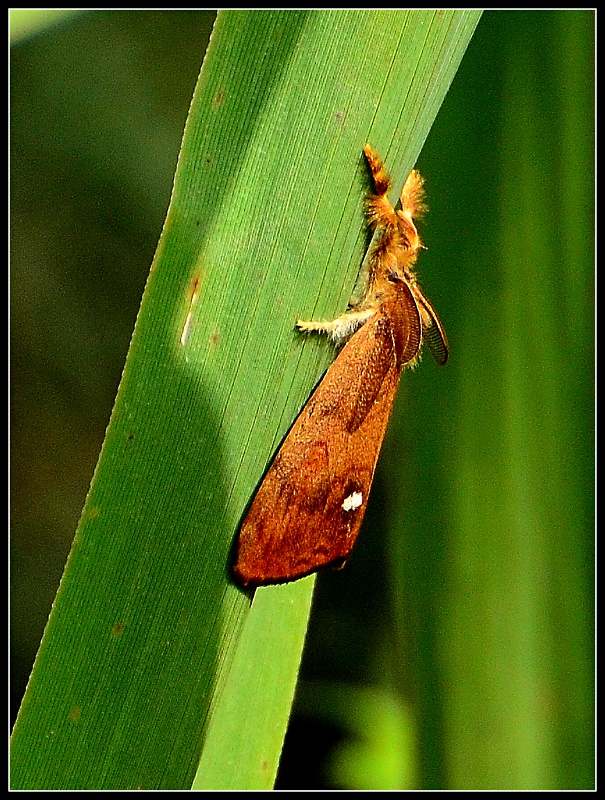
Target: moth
{"x":308,"y":510}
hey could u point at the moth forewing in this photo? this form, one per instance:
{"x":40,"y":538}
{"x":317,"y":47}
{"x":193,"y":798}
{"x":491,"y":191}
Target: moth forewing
{"x":307,"y":512}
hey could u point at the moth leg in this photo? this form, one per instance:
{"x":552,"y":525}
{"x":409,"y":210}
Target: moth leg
{"x":412,"y":207}
{"x":339,"y":329}
{"x":380,"y":210}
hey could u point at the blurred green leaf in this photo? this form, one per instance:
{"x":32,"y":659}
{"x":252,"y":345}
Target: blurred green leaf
{"x":26,"y":22}
{"x":379,"y":747}
{"x":492,"y":541}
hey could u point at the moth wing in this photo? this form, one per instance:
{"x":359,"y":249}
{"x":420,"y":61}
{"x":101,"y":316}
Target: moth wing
{"x":308,"y":510}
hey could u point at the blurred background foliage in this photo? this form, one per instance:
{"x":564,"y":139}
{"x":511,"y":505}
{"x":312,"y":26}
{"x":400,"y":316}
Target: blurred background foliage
{"x":456,"y":648}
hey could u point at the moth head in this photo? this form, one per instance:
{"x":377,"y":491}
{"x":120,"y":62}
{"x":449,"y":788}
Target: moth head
{"x":394,"y":277}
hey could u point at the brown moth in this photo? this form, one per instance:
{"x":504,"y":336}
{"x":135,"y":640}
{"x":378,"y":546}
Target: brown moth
{"x":308,"y":510}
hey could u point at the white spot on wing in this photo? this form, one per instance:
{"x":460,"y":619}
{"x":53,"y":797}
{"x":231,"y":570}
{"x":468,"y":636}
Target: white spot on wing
{"x":352,"y":502}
